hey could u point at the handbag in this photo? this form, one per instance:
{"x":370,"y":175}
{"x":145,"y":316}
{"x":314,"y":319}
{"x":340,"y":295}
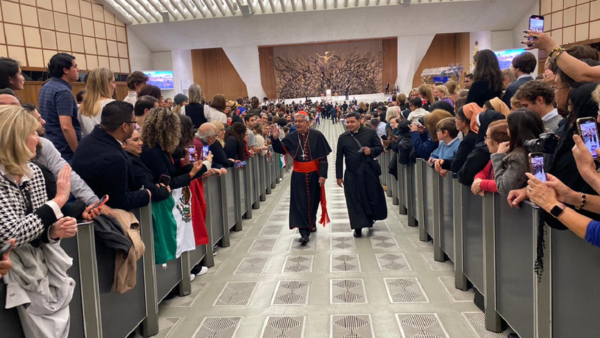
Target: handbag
{"x":370,"y":161}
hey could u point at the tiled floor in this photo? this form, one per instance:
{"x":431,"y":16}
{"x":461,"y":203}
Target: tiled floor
{"x":385,"y":284}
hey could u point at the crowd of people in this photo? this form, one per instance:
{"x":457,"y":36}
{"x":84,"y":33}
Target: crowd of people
{"x":92,"y":158}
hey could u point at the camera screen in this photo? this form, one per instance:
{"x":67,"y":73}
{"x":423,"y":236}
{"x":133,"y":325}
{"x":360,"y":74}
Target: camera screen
{"x":205,"y":151}
{"x":589,"y":135}
{"x":537,"y":167}
{"x":536,"y":24}
{"x":192,"y":151}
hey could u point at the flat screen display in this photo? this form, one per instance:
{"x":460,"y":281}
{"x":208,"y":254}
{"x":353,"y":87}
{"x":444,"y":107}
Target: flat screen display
{"x":163,"y":79}
{"x":505,"y":57}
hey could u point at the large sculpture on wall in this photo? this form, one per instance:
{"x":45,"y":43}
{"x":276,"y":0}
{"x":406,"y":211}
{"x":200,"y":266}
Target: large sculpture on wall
{"x":299,"y":73}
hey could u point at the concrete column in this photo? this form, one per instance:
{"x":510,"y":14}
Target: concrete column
{"x":246,"y":63}
{"x":411,"y":50}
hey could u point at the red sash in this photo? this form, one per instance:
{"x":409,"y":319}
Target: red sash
{"x":309,"y":167}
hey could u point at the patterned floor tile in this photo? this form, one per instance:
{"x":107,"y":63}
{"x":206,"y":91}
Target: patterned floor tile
{"x":345,"y":263}
{"x":380,"y":226}
{"x":263,"y":245}
{"x":351,"y":326}
{"x":278,"y":218}
{"x":405,"y":290}
{"x":348,"y":291}
{"x":296,"y":245}
{"x":434,"y":265}
{"x":424,"y":325}
{"x":383,"y":242}
{"x":166,"y":326}
{"x":271,"y":229}
{"x":457,"y":296}
{"x":236,"y":294}
{"x":298,"y":264}
{"x":187,"y":301}
{"x":476,"y":321}
{"x":342,"y":243}
{"x":340,"y":227}
{"x":252,"y":265}
{"x":338,"y":215}
{"x":218,"y":327}
{"x":284,"y":327}
{"x":291,"y":293}
{"x":392,"y":262}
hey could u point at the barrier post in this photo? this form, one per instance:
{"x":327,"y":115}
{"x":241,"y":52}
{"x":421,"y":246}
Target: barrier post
{"x":408,"y":176}
{"x":388,"y":178}
{"x":149,"y":326}
{"x":401,"y":188}
{"x":460,"y":280}
{"x":225,"y":241}
{"x":247,"y":172}
{"x":493,"y":322}
{"x":438,"y":253}
{"x":209,"y":259}
{"x":421,"y":206}
{"x":255,"y":177}
{"x":238,"y":198}
{"x":90,"y":289}
{"x":542,"y":289}
{"x":185,"y":286}
{"x":262,"y":172}
{"x":396,"y":190}
{"x":269,"y":170}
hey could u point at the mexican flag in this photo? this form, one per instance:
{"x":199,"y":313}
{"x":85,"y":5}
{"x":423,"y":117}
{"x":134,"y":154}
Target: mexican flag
{"x":164,"y":227}
{"x":183,"y":216}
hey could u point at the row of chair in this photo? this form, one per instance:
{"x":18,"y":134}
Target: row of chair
{"x":96,"y":311}
{"x":494,"y":249}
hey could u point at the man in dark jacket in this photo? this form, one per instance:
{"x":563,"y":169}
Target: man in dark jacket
{"x":523,"y":65}
{"x":103,"y":164}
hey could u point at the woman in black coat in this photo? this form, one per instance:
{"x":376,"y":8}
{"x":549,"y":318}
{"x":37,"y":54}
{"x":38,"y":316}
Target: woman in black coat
{"x":480,"y":156}
{"x":488,"y":81}
{"x":161,"y":136}
{"x":235,"y":144}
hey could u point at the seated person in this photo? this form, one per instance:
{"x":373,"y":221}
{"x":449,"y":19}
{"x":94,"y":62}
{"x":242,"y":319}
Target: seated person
{"x":484,"y":180}
{"x":103,"y":164}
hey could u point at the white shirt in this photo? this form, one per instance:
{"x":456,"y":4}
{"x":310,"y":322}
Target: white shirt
{"x":131,"y":97}
{"x":214,"y":115}
{"x":89,"y":123}
{"x":415,"y":115}
{"x":550,"y":115}
{"x":381,"y":129}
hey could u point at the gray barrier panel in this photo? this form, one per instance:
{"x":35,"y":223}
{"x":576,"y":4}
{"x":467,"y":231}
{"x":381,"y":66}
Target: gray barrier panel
{"x":415,"y":191}
{"x":197,"y":255}
{"x":575,"y":276}
{"x":243,"y":190}
{"x":232,"y":215}
{"x":473,"y":237}
{"x":447,"y":215}
{"x":427,"y":198}
{"x":212,"y":193}
{"x":263,"y":177}
{"x":167,"y":278}
{"x":514,"y":265}
{"x":10,"y":324}
{"x":460,"y":281}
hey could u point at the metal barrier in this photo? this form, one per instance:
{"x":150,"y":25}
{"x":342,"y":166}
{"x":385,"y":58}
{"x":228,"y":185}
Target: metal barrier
{"x":97,"y":312}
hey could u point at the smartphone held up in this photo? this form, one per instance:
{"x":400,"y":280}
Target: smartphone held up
{"x":536,"y":162}
{"x":588,"y":130}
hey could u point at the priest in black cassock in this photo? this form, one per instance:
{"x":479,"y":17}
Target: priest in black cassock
{"x":364,"y":195}
{"x":309,"y":149}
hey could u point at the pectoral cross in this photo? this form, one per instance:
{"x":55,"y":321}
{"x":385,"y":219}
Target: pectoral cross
{"x":303,"y":156}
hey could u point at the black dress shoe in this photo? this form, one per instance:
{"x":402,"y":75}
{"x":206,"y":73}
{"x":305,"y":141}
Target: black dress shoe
{"x":314,"y":229}
{"x":304,"y":240}
{"x":357,"y":233}
{"x":513,"y":335}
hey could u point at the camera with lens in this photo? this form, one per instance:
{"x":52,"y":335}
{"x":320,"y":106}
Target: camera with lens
{"x":546,"y":144}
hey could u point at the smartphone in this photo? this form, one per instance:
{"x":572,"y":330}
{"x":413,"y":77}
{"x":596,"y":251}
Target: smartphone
{"x":588,"y":131}
{"x":383,"y":137}
{"x":205,"y":151}
{"x":82,"y":223}
{"x":164,"y":179}
{"x":536,"y":23}
{"x":101,"y":202}
{"x":192,"y":151}
{"x":536,"y":162}
{"x":5,"y":248}
{"x":238,"y":165}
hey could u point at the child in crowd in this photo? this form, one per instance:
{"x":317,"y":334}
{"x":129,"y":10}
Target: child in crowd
{"x":484,"y":181}
{"x":447,"y":135}
{"x":416,"y":112}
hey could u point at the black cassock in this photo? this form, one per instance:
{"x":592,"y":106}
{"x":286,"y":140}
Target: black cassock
{"x":305,"y":194}
{"x":364,"y":194}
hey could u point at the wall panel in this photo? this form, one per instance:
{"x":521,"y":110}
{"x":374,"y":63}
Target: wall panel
{"x":216,"y":75}
{"x":267,"y":71}
{"x":445,"y":49}
{"x":390,"y":62}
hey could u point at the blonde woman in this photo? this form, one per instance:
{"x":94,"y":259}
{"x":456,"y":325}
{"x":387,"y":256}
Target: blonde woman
{"x":220,"y":132}
{"x":426,"y":95}
{"x":258,"y":130}
{"x":453,"y":92}
{"x":100,"y":88}
{"x":442,"y":93}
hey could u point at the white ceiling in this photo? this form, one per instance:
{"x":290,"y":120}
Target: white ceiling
{"x":136,"y":12}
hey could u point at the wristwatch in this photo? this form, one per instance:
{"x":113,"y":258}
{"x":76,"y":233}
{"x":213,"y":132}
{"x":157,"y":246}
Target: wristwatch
{"x":557,"y":210}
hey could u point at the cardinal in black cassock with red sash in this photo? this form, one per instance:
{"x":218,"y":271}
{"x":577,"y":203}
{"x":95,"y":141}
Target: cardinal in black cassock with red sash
{"x":309,"y":149}
{"x":365,"y":198}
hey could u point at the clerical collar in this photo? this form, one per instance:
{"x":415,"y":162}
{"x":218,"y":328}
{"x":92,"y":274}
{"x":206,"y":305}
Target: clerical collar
{"x":357,"y":130}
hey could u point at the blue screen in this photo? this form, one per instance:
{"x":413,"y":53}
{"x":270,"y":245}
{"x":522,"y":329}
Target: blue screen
{"x":505,"y":57}
{"x":163,"y":79}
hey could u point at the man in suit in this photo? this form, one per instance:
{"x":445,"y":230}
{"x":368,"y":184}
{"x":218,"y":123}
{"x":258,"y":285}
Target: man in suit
{"x":522,"y":65}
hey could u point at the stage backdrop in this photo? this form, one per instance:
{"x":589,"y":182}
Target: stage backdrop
{"x":306,"y":70}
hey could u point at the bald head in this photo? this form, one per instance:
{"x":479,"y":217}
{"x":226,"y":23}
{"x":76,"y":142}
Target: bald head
{"x":9,"y":100}
{"x":208,"y":133}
